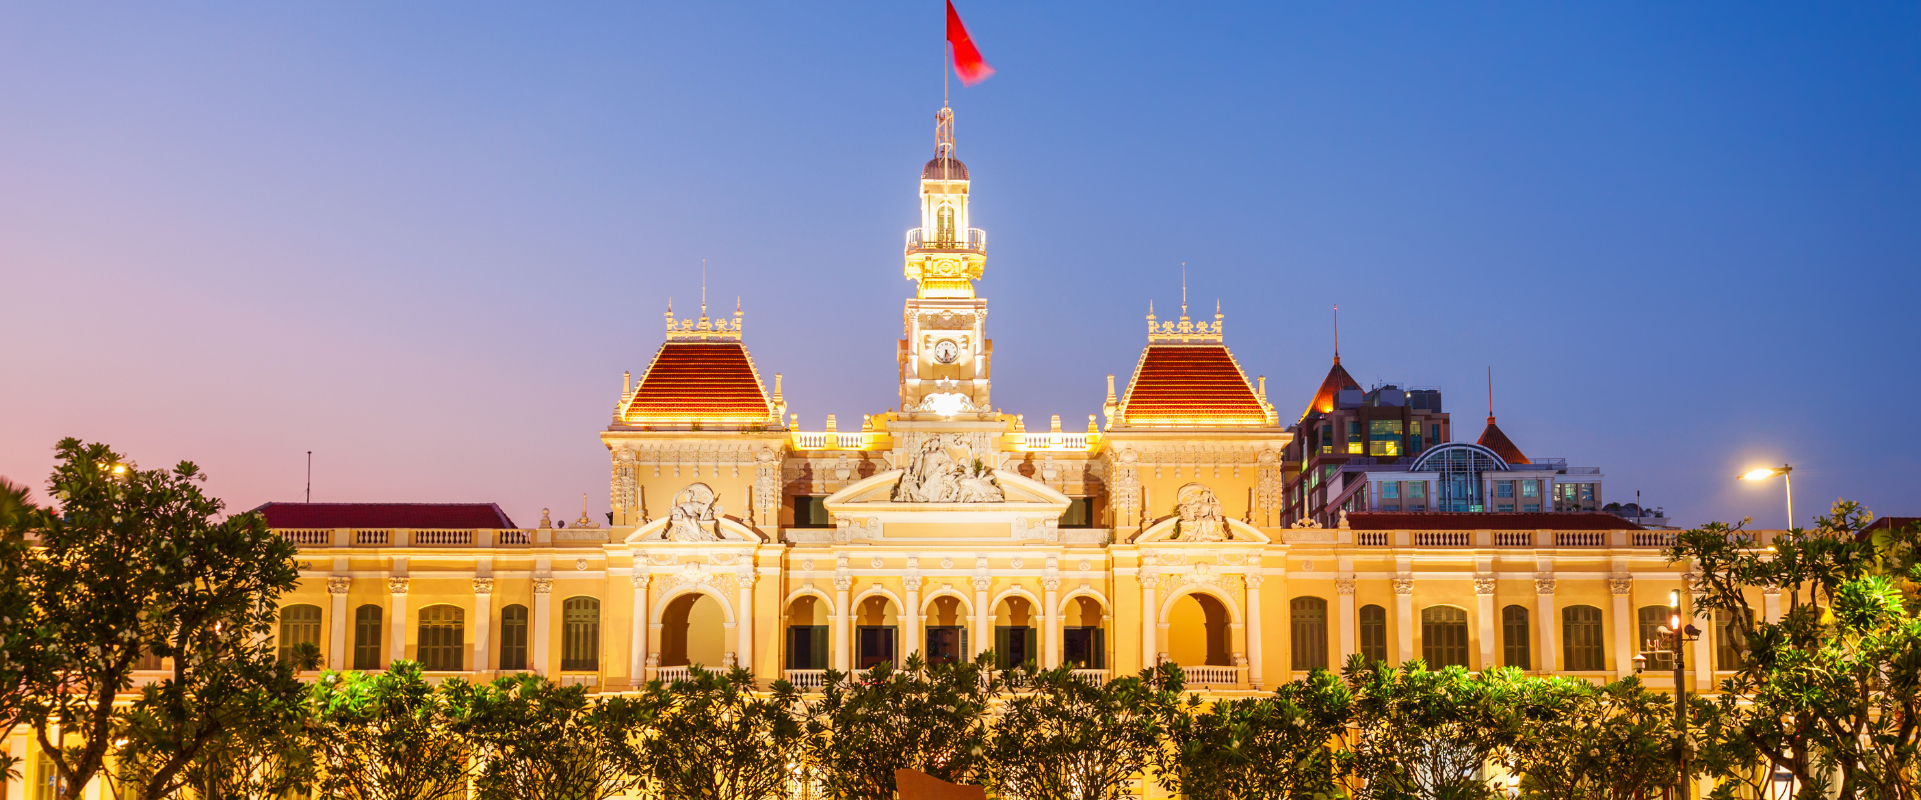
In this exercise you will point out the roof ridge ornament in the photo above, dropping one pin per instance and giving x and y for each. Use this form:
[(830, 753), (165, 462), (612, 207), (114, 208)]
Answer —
[(704, 328), (1186, 331)]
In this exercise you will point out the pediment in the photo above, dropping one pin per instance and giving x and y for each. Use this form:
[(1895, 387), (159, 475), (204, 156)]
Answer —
[(1238, 532), (727, 530)]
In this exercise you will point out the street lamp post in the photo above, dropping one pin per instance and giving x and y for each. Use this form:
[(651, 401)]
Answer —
[(1787, 480), (1682, 635)]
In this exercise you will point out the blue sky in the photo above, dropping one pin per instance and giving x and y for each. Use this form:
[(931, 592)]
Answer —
[(424, 240)]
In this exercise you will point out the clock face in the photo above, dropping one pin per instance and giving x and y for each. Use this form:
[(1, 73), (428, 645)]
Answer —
[(946, 352)]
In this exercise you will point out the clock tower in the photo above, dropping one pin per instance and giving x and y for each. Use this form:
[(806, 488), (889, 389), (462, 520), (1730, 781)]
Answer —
[(945, 355)]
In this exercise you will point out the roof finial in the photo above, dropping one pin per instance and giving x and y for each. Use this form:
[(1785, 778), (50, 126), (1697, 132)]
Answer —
[(1337, 333), (703, 288), (944, 132), (1490, 395), (1183, 288)]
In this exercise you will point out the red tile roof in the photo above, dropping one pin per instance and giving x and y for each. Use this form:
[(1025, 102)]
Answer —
[(1336, 380), (1491, 520), (385, 515), (1494, 439), (1189, 384), (699, 382)]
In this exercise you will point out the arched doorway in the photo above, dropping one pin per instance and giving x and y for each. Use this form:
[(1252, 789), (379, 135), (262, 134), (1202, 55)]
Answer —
[(1198, 632), (692, 632), (946, 637), (1016, 633), (808, 640), (1083, 636), (876, 632)]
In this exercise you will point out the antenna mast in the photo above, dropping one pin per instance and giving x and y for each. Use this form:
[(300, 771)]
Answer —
[(309, 476)]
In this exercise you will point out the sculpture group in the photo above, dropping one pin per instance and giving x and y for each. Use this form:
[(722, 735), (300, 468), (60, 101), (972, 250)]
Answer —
[(945, 470)]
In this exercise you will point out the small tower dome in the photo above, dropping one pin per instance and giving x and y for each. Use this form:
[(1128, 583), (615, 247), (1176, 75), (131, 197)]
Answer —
[(944, 169)]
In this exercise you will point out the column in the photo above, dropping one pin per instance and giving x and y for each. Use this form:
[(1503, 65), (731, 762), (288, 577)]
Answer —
[(843, 617), (1404, 617), (397, 619), (1344, 588), (483, 621), (744, 617), (637, 632), (1544, 608), (543, 610), (910, 620), (1484, 596), (337, 635), (1624, 625), (1771, 603), (1254, 676), (983, 616), (1149, 647), (1050, 623)]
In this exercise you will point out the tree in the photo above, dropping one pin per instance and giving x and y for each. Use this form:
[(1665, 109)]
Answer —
[(1279, 746), (1424, 734), (537, 740), (18, 638), (388, 735), (138, 562), (263, 753), (1063, 736), (1582, 742), (1831, 691), (710, 737), (929, 718)]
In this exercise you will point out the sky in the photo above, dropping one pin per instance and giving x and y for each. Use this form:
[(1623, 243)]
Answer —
[(423, 240)]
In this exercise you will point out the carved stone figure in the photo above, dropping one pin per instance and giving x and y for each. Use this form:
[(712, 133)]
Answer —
[(945, 470), (1201, 514), (694, 514)]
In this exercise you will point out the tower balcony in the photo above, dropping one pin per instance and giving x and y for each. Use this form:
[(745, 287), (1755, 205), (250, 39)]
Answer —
[(922, 239)]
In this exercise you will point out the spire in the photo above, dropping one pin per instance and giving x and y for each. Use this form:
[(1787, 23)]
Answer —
[(944, 132), (1493, 438), (1183, 290), (1490, 395), (1337, 334)]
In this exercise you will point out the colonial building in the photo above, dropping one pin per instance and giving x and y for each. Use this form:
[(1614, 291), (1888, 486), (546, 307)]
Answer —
[(942, 525)]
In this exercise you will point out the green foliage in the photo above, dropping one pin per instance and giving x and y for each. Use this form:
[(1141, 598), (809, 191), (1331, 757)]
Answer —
[(18, 638), (1613, 742), (1279, 746), (1831, 692), (138, 561), (1063, 736), (929, 718), (536, 740), (259, 751), (389, 735), (711, 737), (1418, 733)]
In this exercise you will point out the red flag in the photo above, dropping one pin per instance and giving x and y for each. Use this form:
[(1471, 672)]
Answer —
[(967, 58)]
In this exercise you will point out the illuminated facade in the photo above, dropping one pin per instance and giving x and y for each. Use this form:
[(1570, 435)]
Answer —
[(950, 528)]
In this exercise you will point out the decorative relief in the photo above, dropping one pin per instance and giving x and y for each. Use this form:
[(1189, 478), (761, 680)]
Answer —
[(1544, 583), (625, 488), (396, 585), (1253, 581), (1403, 585), (766, 486), (580, 565), (1620, 584), (1344, 585), (947, 563), (543, 586), (946, 470), (724, 559), (694, 515), (843, 583), (807, 564), (1085, 565), (338, 585), (692, 574), (640, 580), (1017, 563), (1310, 523), (912, 582), (1233, 559), (1127, 490), (1774, 590), (1051, 584), (1201, 515), (1484, 584), (876, 562), (1150, 581), (661, 559), (982, 583), (483, 586)]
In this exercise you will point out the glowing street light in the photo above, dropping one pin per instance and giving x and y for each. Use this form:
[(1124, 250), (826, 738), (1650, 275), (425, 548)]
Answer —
[(1787, 480)]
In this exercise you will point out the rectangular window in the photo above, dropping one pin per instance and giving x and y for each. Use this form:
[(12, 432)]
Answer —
[(1434, 433), (1015, 645), (809, 512), (1503, 488), (1417, 490), (1504, 507), (1414, 441), (46, 780), (1373, 630), (1327, 438), (1583, 650), (1308, 620), (1530, 507), (945, 644), (1514, 637), (1391, 490), (367, 637), (1390, 507), (1417, 507), (1384, 437), (1727, 654), (1084, 646), (1354, 445), (580, 635), (1587, 492), (1080, 513), (1657, 647), (1530, 488), (875, 645), (513, 637)]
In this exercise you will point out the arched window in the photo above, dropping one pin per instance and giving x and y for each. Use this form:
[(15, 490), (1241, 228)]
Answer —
[(944, 223), (443, 634), (1308, 616), (1517, 652), (1444, 636), (513, 637), (1655, 645), (298, 625), (580, 635), (1373, 622), (367, 637), (1583, 649), (1727, 651)]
